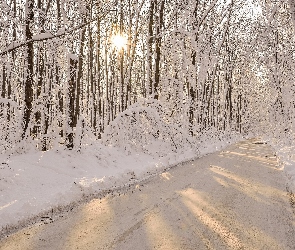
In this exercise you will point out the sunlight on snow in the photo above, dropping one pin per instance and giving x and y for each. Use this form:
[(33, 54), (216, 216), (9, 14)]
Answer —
[(7, 205), (246, 185), (166, 175), (193, 200), (86, 182), (205, 212), (155, 224)]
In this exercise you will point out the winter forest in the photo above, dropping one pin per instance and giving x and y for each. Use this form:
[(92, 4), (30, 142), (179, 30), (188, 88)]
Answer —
[(128, 71), (111, 86), (155, 77)]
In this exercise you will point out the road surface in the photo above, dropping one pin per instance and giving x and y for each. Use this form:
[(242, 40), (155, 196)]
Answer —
[(233, 199)]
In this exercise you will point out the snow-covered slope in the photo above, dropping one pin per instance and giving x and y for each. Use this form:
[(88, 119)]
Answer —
[(35, 182)]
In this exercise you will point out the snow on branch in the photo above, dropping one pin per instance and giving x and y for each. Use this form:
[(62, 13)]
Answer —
[(46, 36)]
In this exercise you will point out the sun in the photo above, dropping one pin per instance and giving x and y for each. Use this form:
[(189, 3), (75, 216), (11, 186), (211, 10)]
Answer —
[(119, 41)]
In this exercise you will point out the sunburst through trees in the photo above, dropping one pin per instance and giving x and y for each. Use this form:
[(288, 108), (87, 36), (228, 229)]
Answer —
[(224, 66)]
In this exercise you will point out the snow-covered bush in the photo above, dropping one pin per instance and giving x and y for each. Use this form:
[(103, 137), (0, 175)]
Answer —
[(145, 127)]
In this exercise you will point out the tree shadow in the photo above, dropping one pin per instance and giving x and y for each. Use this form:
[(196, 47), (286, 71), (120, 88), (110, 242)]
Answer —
[(229, 200)]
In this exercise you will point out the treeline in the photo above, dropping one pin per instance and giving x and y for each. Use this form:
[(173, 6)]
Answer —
[(62, 79)]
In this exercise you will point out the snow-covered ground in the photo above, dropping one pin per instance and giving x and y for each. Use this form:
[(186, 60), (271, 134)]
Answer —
[(225, 200), (286, 156), (35, 182)]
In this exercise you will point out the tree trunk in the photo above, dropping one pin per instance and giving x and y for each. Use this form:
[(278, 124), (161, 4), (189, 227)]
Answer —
[(158, 51), (121, 55), (79, 78), (60, 94), (3, 92), (98, 87), (292, 10), (30, 68), (150, 47), (71, 92)]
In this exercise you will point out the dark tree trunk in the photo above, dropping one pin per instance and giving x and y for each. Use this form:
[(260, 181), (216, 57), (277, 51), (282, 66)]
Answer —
[(60, 94), (3, 92), (192, 94), (79, 79), (98, 87), (158, 51), (191, 91), (128, 88), (150, 46), (71, 91), (121, 53), (239, 114), (195, 26), (11, 109), (30, 68)]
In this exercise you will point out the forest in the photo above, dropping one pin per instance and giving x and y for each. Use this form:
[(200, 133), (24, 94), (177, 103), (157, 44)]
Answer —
[(131, 71), (155, 117)]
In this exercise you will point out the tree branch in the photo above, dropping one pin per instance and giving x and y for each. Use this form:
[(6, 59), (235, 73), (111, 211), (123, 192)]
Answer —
[(48, 36)]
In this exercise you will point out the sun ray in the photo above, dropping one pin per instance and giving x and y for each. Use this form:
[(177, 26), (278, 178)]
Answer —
[(119, 41)]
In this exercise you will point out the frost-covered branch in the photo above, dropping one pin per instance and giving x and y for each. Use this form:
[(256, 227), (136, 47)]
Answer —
[(46, 36)]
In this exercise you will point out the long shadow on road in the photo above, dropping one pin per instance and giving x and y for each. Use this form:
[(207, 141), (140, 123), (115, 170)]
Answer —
[(234, 199)]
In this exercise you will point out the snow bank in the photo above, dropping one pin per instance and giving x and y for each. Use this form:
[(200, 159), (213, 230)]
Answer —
[(283, 142), (286, 156), (35, 182), (138, 143)]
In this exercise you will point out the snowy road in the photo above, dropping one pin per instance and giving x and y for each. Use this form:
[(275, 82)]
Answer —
[(234, 199)]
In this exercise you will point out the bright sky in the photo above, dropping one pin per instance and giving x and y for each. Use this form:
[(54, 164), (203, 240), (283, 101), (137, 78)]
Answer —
[(119, 41)]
